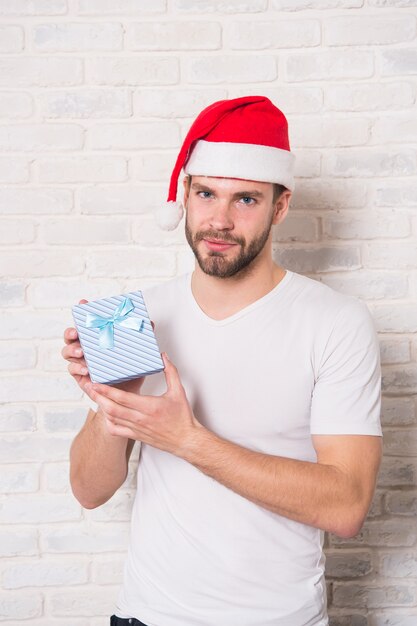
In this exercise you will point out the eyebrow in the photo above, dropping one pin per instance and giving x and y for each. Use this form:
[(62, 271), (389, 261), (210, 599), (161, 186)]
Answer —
[(238, 194)]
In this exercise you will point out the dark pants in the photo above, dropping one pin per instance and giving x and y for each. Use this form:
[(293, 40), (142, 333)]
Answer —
[(118, 621)]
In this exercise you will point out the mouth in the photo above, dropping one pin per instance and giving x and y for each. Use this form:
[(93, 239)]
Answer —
[(218, 245)]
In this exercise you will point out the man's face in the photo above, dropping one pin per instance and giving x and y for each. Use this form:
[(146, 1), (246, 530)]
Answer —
[(228, 223)]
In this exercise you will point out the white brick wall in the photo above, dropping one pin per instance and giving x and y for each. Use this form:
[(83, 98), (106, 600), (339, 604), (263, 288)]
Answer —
[(95, 98)]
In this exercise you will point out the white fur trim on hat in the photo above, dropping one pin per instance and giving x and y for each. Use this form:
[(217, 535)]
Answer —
[(242, 160)]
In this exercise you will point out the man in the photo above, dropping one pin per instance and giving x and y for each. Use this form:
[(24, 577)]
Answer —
[(265, 432)]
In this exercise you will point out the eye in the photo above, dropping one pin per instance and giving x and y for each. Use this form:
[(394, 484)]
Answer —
[(251, 200), (204, 192)]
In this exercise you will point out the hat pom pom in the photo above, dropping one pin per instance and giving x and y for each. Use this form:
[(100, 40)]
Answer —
[(170, 215)]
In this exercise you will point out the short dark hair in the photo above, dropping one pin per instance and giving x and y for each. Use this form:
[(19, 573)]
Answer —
[(277, 189)]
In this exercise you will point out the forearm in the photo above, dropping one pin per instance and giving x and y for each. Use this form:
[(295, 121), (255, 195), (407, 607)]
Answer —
[(318, 495), (98, 462)]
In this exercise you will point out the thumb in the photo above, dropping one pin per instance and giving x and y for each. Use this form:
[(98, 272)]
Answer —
[(172, 377)]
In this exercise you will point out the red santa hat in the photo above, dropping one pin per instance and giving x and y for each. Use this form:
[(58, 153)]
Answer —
[(240, 138)]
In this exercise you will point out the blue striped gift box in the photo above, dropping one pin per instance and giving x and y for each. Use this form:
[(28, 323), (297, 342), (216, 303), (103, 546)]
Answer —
[(134, 353)]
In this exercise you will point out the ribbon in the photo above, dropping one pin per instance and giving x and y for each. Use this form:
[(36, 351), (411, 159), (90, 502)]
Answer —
[(106, 324)]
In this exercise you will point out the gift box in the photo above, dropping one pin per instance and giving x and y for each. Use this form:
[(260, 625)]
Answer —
[(117, 338)]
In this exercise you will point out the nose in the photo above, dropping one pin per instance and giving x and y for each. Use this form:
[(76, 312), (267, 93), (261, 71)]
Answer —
[(221, 216)]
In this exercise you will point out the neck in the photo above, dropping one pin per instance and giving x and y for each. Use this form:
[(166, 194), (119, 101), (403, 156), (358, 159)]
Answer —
[(221, 297)]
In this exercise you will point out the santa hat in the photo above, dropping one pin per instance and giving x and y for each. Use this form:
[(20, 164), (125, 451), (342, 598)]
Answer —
[(240, 138)]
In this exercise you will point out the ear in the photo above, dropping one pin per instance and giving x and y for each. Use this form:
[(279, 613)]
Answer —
[(282, 206), (186, 186)]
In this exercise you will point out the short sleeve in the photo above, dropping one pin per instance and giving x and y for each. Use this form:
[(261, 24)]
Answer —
[(346, 397)]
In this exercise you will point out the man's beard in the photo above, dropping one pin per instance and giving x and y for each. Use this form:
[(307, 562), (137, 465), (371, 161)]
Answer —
[(215, 263)]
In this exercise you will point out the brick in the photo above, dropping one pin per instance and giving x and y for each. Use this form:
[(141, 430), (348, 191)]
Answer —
[(330, 195), (84, 231), (39, 263), (397, 618), (19, 479), (133, 136), (174, 103), (296, 228), (137, 70), (393, 194), (368, 30), (230, 69), (344, 564), (400, 379), (347, 620), (173, 36), (255, 35), (44, 621), (25, 448), (328, 132), (153, 166), (16, 356), (90, 601), (51, 293), (11, 39), (399, 62), (16, 231), (45, 574), (400, 442), (107, 572), (95, 539), (130, 261), (372, 226), (372, 596), (402, 503), (368, 96), (397, 411), (120, 7), (329, 65), (35, 201), (393, 3), (368, 162), (13, 170), (19, 542), (41, 137), (72, 37), (50, 358), (185, 261), (120, 200), (394, 318), (15, 105), (37, 388), (288, 98), (398, 254), (43, 509), (85, 103), (40, 71), (377, 505), (389, 533), (307, 164), (397, 472), (17, 418), (324, 259), (18, 606), (56, 478), (221, 6), (369, 284), (147, 233), (298, 5), (398, 128), (82, 169), (395, 351), (28, 7), (398, 565)]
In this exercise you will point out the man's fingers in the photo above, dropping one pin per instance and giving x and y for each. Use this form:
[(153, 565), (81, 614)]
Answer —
[(119, 396), (172, 377), (77, 369), (70, 335), (72, 350)]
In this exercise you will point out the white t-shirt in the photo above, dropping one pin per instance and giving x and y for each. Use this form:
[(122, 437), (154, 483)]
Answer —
[(302, 360)]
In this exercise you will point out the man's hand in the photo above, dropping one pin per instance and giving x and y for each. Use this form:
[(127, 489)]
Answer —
[(166, 422)]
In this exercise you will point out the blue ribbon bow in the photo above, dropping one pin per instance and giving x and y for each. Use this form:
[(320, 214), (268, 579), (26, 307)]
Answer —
[(106, 324)]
